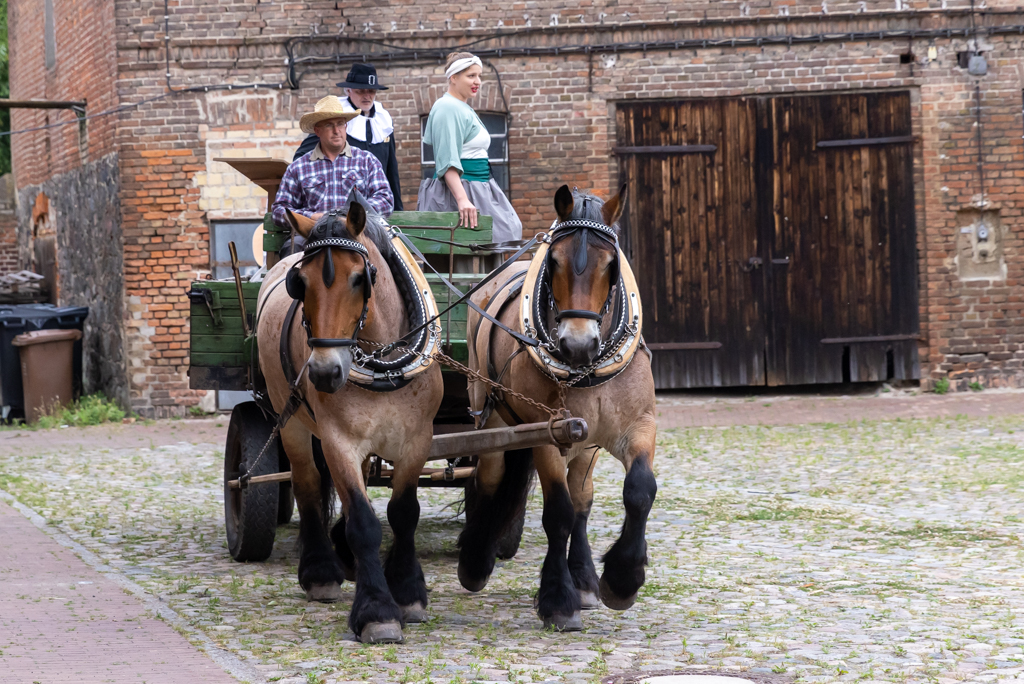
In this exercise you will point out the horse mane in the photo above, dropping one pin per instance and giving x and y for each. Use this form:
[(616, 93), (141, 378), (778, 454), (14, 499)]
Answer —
[(333, 225), (590, 209)]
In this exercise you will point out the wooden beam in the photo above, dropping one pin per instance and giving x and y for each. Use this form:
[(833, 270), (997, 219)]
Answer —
[(567, 432), (42, 104), (861, 142), (665, 149), (677, 346), (257, 479), (875, 338)]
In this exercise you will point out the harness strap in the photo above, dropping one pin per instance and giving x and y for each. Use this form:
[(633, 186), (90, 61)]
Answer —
[(473, 290), (496, 399), (291, 376)]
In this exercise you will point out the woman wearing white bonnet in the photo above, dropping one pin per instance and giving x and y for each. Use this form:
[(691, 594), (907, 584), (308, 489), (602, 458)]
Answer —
[(462, 180)]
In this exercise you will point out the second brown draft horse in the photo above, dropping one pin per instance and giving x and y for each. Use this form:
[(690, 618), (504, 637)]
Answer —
[(577, 297)]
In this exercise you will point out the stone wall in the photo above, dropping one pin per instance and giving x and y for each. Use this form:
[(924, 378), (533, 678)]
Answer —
[(86, 210), (8, 226), (562, 127)]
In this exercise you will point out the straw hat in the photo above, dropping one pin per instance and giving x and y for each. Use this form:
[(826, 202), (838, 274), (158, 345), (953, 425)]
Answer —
[(329, 107)]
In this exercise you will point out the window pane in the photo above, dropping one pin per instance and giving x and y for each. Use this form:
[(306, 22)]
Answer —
[(241, 233), (428, 153), (427, 171), (500, 174), (498, 151), (496, 124)]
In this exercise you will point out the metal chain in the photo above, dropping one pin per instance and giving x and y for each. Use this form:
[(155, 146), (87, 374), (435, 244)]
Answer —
[(243, 479), (446, 360)]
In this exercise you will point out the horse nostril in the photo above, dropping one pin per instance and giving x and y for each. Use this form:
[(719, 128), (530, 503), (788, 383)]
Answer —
[(336, 373)]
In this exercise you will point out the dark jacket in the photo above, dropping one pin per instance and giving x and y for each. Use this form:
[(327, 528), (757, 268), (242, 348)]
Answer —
[(383, 151)]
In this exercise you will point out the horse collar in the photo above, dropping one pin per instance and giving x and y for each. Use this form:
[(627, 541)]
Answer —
[(617, 349)]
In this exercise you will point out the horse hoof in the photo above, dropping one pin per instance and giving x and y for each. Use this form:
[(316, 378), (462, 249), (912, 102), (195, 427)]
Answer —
[(381, 633), (414, 613), (324, 593), (589, 600), (471, 583), (564, 623), (614, 602)]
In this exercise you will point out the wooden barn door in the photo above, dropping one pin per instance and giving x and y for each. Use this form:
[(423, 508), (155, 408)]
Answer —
[(773, 238), (839, 228), (691, 226)]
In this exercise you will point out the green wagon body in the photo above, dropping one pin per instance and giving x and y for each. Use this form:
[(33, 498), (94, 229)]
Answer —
[(220, 356)]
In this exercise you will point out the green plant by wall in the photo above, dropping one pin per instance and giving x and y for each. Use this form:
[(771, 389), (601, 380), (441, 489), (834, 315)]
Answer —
[(942, 385), (92, 409)]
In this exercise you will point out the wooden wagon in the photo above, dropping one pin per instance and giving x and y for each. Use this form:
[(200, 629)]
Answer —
[(223, 356)]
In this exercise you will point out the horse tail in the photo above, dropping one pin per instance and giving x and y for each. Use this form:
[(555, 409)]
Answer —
[(326, 484), (490, 518), (512, 493)]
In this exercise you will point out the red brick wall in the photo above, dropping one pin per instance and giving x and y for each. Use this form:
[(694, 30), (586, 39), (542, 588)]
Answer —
[(85, 70), (562, 130)]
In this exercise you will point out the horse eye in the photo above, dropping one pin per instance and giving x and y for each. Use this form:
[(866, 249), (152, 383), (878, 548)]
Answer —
[(357, 279)]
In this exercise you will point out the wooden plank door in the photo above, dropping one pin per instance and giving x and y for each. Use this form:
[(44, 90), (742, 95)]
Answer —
[(838, 223), (691, 228)]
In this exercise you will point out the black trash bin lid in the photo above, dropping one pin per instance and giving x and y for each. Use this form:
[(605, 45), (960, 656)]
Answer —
[(38, 314)]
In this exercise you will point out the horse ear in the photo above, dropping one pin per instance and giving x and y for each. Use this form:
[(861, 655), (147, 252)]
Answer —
[(612, 209), (301, 224), (563, 203), (355, 219)]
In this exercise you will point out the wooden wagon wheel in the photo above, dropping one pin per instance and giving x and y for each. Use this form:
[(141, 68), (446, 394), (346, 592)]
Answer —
[(250, 514)]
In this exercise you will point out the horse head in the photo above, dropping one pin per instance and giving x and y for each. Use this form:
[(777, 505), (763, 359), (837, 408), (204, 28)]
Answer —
[(334, 281), (583, 267)]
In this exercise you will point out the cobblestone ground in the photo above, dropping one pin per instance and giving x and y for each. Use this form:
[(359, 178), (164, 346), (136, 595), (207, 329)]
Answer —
[(886, 551)]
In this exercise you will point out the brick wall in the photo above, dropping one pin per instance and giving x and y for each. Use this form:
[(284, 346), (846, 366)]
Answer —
[(71, 170), (84, 70), (561, 130)]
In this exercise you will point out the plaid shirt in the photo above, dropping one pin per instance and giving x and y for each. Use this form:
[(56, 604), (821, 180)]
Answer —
[(314, 184)]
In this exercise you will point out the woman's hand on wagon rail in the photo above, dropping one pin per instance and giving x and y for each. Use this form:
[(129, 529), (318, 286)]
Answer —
[(467, 211)]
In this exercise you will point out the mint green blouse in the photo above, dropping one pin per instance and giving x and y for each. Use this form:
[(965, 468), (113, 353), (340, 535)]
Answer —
[(451, 124)]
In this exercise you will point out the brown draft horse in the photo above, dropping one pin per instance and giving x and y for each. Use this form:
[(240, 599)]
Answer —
[(351, 422), (583, 270)]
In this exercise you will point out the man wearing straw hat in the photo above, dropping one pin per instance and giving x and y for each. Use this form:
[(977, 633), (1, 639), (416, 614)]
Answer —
[(321, 180)]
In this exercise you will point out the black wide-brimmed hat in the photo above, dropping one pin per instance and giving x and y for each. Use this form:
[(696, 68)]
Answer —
[(362, 77)]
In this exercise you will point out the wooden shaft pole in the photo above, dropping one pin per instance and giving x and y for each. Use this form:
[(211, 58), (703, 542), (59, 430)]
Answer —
[(568, 431)]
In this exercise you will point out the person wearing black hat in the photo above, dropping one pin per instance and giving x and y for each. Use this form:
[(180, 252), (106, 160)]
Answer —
[(373, 130)]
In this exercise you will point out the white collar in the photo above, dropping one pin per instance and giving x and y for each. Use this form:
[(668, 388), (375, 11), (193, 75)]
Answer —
[(381, 125)]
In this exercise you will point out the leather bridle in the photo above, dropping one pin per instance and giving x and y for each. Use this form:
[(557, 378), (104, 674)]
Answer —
[(297, 289), (580, 230)]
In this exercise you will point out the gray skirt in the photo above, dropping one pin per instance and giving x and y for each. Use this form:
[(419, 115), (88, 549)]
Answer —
[(486, 197)]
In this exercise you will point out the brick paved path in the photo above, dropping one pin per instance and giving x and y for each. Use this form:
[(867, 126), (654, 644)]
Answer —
[(62, 621)]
